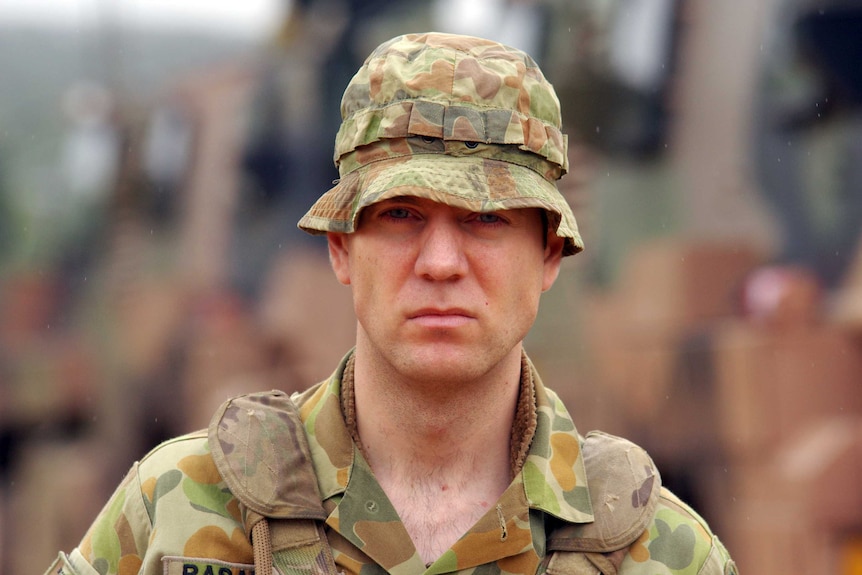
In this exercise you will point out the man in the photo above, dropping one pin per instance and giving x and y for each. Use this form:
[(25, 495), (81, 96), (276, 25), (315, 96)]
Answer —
[(434, 447)]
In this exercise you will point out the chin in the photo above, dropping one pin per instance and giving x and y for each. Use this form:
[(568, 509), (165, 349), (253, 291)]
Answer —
[(445, 365)]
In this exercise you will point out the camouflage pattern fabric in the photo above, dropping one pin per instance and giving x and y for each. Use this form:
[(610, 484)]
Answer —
[(460, 120), (173, 514)]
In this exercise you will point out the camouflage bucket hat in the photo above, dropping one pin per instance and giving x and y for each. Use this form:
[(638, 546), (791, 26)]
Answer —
[(459, 120)]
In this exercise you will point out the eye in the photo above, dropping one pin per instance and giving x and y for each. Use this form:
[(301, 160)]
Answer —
[(489, 218), (471, 145), (396, 213)]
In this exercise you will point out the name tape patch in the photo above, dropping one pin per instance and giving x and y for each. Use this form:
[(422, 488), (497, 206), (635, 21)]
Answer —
[(197, 566)]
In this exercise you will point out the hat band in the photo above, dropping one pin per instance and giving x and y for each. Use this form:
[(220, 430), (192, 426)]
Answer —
[(449, 122), (403, 147)]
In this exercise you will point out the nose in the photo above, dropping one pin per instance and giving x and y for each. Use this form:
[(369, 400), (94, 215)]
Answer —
[(441, 252)]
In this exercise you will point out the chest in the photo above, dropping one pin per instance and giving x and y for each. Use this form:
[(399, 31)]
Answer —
[(436, 519)]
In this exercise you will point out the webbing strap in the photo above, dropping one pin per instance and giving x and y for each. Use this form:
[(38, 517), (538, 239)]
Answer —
[(258, 441), (291, 547), (313, 558), (262, 544)]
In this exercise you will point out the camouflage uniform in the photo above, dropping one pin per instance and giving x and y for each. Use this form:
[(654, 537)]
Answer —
[(473, 124), (173, 513)]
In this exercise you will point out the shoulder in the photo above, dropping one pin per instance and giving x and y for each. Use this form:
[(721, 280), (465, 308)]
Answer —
[(186, 453), (191, 508), (180, 476), (677, 540), (181, 488), (173, 503), (673, 537)]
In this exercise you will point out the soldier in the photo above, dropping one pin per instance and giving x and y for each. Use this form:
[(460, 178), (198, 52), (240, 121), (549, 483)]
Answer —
[(434, 446)]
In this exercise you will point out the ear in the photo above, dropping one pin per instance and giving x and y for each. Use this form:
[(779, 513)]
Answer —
[(553, 260), (339, 256)]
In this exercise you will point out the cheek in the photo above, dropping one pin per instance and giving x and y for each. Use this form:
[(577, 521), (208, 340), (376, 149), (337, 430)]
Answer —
[(518, 284), (531, 271), (531, 289), (370, 280), (360, 278)]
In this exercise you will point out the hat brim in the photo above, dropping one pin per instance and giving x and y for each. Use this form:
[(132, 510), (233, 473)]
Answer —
[(473, 183)]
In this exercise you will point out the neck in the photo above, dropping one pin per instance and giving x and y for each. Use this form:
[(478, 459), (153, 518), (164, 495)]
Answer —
[(417, 428)]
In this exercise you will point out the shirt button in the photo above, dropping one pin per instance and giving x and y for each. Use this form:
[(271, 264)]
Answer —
[(371, 506)]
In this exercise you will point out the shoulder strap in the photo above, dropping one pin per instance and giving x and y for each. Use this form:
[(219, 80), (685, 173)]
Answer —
[(624, 487), (259, 446)]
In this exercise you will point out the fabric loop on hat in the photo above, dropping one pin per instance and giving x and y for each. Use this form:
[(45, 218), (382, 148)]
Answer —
[(460, 123), (401, 147)]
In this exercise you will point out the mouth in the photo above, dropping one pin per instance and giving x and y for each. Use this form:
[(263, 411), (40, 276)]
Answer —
[(441, 318)]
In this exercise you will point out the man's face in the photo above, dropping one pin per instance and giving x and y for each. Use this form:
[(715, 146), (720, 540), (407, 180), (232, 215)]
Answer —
[(441, 293)]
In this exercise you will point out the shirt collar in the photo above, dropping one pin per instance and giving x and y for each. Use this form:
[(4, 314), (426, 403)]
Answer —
[(554, 476)]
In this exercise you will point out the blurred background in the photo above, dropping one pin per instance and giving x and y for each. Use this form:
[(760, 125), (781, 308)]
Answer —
[(155, 157)]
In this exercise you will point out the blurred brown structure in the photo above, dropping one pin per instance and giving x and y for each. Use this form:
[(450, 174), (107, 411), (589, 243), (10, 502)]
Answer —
[(757, 420)]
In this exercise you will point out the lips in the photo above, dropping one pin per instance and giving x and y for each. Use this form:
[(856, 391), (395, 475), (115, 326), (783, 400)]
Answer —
[(441, 318), (436, 311)]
